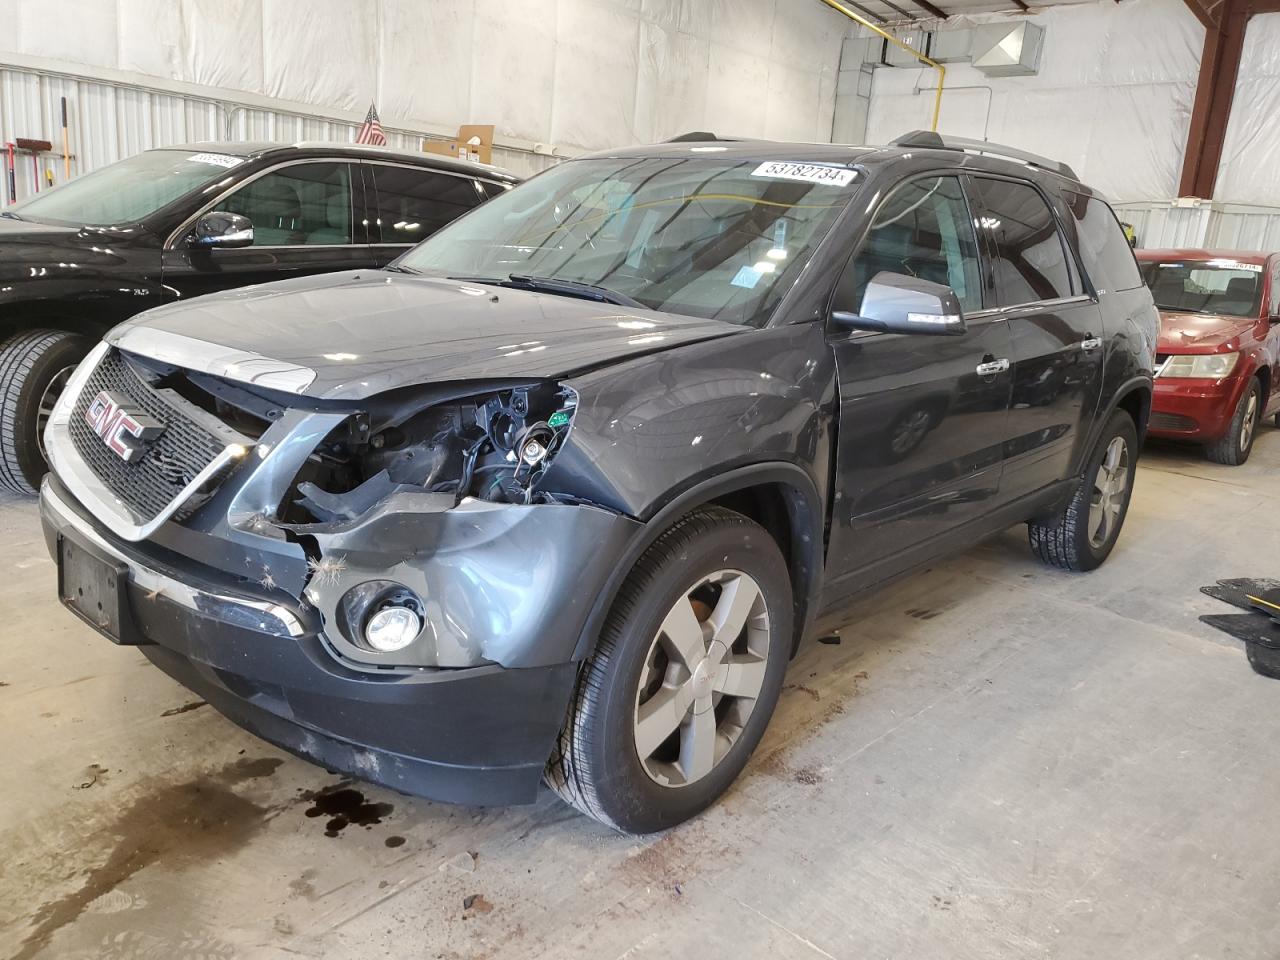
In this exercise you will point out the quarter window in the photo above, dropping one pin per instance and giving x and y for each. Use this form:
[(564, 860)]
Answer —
[(1027, 255), (414, 203), (1105, 250), (923, 230), (307, 203)]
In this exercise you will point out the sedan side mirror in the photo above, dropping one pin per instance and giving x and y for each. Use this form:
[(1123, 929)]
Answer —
[(221, 229), (896, 303)]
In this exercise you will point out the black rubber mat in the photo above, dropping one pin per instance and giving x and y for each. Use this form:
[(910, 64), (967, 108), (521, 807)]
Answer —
[(1249, 627), (1264, 660), (1262, 594)]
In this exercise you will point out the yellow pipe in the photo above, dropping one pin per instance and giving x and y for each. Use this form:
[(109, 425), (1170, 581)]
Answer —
[(942, 71)]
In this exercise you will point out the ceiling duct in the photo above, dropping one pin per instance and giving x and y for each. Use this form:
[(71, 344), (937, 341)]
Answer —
[(1008, 49), (897, 57)]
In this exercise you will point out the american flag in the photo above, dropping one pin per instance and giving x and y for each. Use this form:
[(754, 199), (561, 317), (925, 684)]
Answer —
[(370, 131)]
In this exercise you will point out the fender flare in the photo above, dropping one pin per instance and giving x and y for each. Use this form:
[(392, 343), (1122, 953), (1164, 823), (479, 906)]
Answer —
[(1130, 386), (807, 516)]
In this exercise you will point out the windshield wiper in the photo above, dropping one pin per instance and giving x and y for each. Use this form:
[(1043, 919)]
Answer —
[(401, 268), (11, 215), (571, 288)]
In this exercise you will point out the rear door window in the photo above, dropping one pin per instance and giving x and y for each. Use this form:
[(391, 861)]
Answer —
[(411, 203), (1026, 251), (1104, 249), (301, 204), (922, 230)]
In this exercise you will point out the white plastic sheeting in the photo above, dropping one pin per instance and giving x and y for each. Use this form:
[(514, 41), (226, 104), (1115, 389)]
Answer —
[(1250, 167), (1112, 98), (576, 74)]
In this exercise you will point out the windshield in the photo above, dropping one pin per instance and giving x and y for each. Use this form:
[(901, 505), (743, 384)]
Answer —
[(1211, 286), (128, 191), (700, 236)]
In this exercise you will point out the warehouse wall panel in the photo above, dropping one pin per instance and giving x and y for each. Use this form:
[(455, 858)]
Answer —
[(572, 75), (1112, 97)]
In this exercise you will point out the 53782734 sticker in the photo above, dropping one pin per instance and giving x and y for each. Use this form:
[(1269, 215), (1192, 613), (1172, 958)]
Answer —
[(806, 172)]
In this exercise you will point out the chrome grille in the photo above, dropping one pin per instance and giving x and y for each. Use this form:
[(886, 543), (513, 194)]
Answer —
[(149, 484)]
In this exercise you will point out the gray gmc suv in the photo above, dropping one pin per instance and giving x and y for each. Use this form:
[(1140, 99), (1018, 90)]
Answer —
[(556, 494)]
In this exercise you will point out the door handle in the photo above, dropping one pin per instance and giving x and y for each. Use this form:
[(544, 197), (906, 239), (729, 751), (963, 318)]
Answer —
[(991, 368), (1090, 343)]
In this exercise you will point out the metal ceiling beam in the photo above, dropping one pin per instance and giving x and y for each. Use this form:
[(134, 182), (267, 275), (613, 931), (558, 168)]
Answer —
[(869, 14), (929, 8), (1215, 89), (905, 14)]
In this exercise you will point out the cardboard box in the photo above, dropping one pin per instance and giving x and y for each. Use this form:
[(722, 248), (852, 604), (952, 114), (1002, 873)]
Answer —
[(473, 142)]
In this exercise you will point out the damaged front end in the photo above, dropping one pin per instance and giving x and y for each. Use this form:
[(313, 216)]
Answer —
[(417, 524)]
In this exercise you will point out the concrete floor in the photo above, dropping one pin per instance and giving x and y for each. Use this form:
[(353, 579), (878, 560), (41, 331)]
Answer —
[(997, 761)]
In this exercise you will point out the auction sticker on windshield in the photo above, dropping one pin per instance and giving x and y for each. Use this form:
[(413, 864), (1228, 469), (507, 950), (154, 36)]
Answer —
[(807, 172), (217, 159)]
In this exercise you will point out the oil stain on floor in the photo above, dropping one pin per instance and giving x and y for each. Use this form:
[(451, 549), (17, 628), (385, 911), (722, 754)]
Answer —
[(345, 806), (195, 820)]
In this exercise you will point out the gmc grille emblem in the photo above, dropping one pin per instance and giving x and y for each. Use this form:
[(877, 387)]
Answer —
[(123, 427)]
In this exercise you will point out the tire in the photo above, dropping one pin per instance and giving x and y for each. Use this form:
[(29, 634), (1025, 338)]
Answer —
[(31, 363), (598, 767), (1069, 540), (1233, 447)]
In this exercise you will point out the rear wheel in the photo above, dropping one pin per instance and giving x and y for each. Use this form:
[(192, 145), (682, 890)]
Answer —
[(1082, 535), (35, 366), (684, 679), (1234, 447)]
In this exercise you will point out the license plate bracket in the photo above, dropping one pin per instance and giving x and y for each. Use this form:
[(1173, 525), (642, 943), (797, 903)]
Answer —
[(95, 589)]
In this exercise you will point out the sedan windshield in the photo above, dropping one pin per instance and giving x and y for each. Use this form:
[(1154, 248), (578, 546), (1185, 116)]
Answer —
[(128, 191), (700, 236), (1226, 287)]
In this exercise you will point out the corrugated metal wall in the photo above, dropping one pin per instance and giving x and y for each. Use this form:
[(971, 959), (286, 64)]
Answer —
[(108, 122), (1223, 226)]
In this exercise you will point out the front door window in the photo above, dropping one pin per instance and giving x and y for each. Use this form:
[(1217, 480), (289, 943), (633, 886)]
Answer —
[(299, 205)]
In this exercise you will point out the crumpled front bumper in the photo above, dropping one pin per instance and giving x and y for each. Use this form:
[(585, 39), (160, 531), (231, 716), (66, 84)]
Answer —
[(476, 735)]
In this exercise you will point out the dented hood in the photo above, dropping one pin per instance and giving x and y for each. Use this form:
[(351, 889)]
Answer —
[(351, 335)]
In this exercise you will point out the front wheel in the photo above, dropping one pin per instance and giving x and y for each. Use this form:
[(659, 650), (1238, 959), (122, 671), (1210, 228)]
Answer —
[(684, 679), (1234, 447), (1081, 536), (34, 367)]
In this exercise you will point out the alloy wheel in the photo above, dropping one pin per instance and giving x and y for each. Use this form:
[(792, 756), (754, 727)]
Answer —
[(1250, 421), (48, 400), (1110, 484), (702, 677)]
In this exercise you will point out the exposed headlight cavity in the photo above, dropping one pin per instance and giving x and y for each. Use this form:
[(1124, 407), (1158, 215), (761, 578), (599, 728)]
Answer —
[(493, 446)]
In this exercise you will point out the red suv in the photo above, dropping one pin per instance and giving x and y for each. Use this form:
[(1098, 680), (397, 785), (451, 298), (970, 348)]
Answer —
[(1218, 357)]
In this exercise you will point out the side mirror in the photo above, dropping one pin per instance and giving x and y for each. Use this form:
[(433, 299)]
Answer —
[(895, 303), (221, 229)]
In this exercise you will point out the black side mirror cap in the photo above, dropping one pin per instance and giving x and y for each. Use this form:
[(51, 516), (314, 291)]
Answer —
[(221, 229), (896, 303)]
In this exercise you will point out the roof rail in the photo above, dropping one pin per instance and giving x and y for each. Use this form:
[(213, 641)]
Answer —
[(933, 141)]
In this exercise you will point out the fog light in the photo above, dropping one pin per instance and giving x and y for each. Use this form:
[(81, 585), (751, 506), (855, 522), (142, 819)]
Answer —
[(392, 628)]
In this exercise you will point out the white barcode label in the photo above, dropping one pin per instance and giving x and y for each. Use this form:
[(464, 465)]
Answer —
[(217, 159), (808, 172)]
